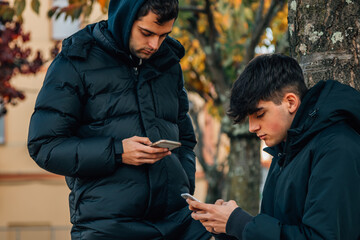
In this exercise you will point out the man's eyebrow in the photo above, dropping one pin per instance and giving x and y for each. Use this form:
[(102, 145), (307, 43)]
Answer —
[(254, 110), (148, 31)]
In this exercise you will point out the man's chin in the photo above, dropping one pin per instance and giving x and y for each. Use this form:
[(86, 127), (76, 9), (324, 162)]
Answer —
[(143, 56), (269, 143)]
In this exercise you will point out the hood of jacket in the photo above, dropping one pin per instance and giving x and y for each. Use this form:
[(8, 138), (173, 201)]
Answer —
[(324, 105), (121, 16), (79, 45)]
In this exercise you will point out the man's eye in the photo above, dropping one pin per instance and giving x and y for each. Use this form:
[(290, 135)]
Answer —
[(260, 115), (146, 34)]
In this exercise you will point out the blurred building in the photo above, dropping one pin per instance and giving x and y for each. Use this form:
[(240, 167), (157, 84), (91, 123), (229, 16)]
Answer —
[(33, 202)]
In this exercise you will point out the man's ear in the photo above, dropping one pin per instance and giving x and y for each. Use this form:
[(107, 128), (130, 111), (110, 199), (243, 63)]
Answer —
[(292, 102)]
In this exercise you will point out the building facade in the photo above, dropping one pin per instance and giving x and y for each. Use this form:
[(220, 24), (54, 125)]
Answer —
[(33, 202)]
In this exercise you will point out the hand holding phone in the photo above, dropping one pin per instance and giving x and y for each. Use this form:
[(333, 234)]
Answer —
[(166, 144), (137, 151)]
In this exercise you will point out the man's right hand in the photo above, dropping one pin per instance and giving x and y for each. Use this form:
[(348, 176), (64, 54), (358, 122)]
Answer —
[(213, 217), (137, 151)]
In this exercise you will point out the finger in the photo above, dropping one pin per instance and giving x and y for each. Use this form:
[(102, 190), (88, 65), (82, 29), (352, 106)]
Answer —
[(200, 212), (148, 160), (217, 230), (193, 209), (208, 224), (149, 149), (200, 216), (143, 140), (153, 156), (219, 202), (196, 210), (200, 206), (232, 202)]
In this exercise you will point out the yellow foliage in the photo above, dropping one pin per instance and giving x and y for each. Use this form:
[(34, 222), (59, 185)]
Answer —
[(256, 5), (220, 22), (196, 44), (226, 21), (236, 3), (267, 4), (281, 19), (238, 58), (233, 22), (242, 41), (202, 24), (280, 23), (176, 30)]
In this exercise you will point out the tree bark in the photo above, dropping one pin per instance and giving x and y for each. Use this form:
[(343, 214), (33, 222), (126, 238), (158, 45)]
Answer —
[(244, 183), (325, 39), (243, 180)]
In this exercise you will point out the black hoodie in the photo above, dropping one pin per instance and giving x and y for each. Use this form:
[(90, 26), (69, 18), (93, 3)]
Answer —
[(121, 17), (312, 190)]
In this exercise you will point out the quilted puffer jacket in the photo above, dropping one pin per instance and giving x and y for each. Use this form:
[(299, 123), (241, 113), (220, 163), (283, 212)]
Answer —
[(94, 96)]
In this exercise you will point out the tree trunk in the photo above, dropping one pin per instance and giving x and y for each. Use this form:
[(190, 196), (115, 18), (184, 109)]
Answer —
[(244, 167), (325, 39)]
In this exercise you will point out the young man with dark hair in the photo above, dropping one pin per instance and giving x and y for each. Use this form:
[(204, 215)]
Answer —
[(115, 88), (312, 190)]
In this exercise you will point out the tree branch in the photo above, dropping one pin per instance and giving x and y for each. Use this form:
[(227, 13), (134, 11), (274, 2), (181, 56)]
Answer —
[(212, 30), (213, 57), (260, 25)]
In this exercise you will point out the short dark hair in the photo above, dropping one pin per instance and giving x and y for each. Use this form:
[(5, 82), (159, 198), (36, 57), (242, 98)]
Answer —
[(166, 10), (267, 77)]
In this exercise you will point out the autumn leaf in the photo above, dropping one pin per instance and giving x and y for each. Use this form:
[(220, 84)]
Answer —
[(19, 6), (35, 5)]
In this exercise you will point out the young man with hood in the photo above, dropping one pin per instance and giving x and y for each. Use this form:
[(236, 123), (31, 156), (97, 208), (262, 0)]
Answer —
[(312, 190), (115, 88)]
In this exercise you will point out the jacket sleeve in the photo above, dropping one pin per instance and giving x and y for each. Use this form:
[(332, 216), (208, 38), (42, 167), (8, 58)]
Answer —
[(331, 208), (52, 140), (186, 137)]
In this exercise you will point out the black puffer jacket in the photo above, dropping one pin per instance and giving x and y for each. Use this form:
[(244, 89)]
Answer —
[(312, 190), (93, 97)]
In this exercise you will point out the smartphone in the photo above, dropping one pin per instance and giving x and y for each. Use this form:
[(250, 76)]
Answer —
[(189, 196), (166, 144)]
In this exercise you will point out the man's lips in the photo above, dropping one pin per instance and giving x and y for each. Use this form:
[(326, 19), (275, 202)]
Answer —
[(261, 136), (148, 52)]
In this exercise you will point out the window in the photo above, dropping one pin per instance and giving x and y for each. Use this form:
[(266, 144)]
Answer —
[(60, 28)]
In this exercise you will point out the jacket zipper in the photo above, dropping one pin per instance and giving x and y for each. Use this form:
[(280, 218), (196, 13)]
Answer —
[(136, 72), (280, 156), (136, 69)]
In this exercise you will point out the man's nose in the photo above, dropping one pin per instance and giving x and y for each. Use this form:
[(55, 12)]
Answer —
[(253, 126), (154, 42)]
